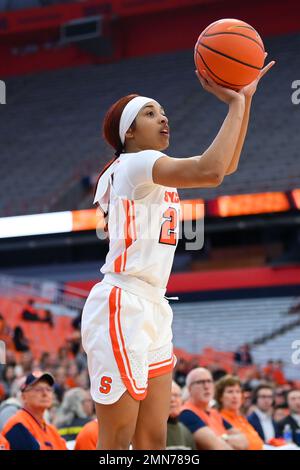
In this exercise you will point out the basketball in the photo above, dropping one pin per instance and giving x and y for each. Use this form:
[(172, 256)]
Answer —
[(231, 51)]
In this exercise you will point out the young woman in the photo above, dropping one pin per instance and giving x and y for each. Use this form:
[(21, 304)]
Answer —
[(126, 322)]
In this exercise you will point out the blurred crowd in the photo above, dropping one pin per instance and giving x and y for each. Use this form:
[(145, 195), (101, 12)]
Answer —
[(45, 403)]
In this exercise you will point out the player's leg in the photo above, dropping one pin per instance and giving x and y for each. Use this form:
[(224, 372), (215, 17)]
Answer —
[(151, 427), (117, 423)]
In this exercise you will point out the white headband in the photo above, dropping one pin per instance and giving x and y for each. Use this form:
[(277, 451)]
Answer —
[(130, 112)]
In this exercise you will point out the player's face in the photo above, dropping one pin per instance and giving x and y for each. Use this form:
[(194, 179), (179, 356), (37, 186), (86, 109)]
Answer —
[(151, 129)]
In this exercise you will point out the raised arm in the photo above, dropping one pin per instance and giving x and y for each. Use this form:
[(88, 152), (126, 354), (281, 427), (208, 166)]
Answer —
[(208, 169), (222, 156), (248, 92)]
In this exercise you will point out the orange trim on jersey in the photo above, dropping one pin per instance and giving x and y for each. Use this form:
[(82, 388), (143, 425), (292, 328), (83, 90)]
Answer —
[(129, 234), (118, 263), (162, 362), (119, 349), (165, 367), (133, 221), (160, 371)]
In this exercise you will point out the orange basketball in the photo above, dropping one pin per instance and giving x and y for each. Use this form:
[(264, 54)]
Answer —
[(231, 52)]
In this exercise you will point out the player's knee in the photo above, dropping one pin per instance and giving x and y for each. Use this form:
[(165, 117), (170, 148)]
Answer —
[(123, 438), (115, 439), (151, 440)]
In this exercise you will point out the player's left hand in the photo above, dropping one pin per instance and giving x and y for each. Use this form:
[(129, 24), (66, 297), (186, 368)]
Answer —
[(250, 89)]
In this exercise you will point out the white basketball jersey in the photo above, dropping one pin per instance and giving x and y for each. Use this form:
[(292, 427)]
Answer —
[(143, 232)]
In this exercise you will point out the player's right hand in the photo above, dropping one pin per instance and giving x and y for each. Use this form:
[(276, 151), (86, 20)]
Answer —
[(224, 94)]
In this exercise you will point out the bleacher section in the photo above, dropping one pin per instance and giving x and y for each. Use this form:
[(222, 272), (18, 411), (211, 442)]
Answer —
[(40, 335), (227, 324), (209, 330), (282, 347), (52, 123)]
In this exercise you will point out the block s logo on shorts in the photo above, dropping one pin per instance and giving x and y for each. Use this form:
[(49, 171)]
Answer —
[(105, 385)]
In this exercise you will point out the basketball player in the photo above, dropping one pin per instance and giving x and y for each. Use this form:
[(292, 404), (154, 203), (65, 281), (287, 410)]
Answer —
[(126, 322)]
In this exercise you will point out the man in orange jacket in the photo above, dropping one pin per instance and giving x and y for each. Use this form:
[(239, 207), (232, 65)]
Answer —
[(27, 429), (210, 430)]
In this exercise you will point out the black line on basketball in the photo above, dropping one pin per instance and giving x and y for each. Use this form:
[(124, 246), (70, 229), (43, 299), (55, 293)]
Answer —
[(219, 78), (243, 26), (235, 34), (228, 57)]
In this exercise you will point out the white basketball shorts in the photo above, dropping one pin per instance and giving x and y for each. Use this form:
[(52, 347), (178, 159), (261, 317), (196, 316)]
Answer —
[(127, 339)]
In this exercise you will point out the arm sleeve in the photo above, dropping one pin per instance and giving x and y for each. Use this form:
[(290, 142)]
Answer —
[(191, 421), (139, 168), (20, 438), (226, 424)]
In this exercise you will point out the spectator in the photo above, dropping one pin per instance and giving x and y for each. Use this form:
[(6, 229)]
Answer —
[(8, 377), (229, 400), (294, 308), (293, 418), (81, 359), (261, 418), (48, 318), (76, 322), (29, 313), (26, 361), (210, 430), (45, 361), (180, 372), (87, 437), (277, 374), (75, 411), (8, 408), (74, 342), (178, 435), (60, 384), (20, 341), (71, 375), (5, 333), (27, 430), (280, 412), (252, 378), (268, 371), (280, 397), (217, 371), (246, 399), (243, 356)]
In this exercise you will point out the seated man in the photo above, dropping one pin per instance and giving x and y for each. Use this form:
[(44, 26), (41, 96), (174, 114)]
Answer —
[(210, 430), (178, 435), (87, 437), (27, 429), (293, 418), (261, 418)]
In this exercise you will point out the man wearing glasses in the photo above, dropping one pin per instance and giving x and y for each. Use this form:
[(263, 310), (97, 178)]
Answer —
[(27, 429), (210, 430)]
